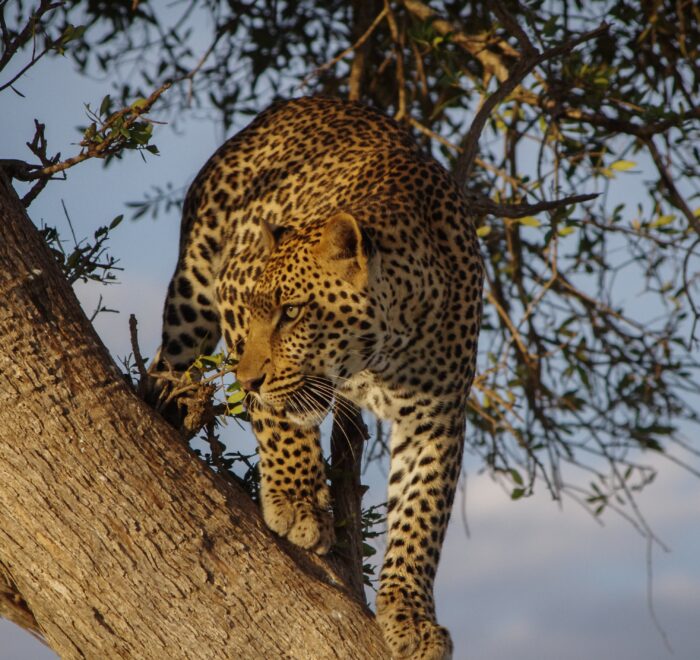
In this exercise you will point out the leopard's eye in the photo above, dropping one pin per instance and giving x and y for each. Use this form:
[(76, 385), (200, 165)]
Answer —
[(290, 312)]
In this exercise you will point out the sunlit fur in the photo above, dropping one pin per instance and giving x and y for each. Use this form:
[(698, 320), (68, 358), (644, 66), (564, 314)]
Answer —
[(340, 265)]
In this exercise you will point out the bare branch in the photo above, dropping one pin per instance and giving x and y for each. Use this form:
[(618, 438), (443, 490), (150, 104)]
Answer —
[(674, 196), (343, 54), (397, 38), (483, 205), (687, 286), (12, 45), (133, 334), (465, 161), (512, 26), (614, 124)]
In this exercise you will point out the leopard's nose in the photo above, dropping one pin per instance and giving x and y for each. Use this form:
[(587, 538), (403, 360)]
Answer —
[(253, 384)]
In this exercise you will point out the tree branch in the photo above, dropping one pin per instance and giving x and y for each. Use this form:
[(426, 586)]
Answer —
[(13, 606), (674, 196), (465, 161), (347, 441), (117, 537), (12, 45), (475, 45), (362, 29), (481, 204), (350, 49)]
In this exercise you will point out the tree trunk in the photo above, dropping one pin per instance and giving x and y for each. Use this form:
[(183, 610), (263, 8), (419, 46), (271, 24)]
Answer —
[(113, 535)]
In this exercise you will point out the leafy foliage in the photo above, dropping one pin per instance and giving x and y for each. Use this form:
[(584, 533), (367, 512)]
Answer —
[(373, 522), (87, 260)]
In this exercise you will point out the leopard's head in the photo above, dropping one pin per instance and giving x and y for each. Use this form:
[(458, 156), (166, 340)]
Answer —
[(313, 319)]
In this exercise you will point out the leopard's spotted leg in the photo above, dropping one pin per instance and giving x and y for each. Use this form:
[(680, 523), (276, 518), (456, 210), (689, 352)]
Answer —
[(191, 317), (294, 492), (426, 454)]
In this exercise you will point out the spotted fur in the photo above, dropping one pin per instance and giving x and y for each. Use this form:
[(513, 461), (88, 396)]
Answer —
[(339, 262)]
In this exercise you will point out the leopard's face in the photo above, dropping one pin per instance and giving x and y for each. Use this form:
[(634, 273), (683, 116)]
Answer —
[(313, 323)]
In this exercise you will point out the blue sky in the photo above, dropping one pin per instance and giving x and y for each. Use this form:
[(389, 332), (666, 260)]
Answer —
[(535, 580)]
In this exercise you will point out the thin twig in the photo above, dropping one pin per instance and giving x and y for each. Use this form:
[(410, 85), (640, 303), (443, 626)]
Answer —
[(397, 38), (511, 326), (687, 286), (343, 54), (27, 33), (140, 364), (674, 196), (189, 76), (106, 148), (513, 27)]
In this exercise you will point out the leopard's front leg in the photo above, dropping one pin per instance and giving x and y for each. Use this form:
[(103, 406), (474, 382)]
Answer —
[(294, 493), (426, 454)]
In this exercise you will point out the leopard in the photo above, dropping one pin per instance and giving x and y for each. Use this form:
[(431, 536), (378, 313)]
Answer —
[(340, 263)]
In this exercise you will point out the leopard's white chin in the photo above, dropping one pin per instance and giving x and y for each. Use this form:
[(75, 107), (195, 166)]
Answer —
[(304, 419), (300, 417)]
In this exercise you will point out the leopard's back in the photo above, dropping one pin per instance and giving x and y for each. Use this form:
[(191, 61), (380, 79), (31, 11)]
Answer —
[(338, 260)]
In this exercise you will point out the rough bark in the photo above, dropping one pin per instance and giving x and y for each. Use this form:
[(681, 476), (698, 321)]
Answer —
[(114, 536), (14, 608), (347, 441)]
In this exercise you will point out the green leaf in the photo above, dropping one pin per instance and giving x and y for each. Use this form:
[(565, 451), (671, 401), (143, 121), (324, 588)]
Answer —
[(90, 131), (663, 220), (368, 550), (530, 221), (485, 230), (550, 26), (70, 33), (236, 397), (105, 105), (517, 493), (623, 165), (209, 361)]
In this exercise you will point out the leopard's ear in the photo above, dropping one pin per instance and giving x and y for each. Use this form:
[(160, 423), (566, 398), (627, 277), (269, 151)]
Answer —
[(270, 234), (342, 248)]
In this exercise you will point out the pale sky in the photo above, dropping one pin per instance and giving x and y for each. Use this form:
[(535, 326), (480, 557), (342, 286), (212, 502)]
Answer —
[(534, 581)]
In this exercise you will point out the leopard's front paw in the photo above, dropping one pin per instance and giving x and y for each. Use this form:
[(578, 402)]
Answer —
[(312, 528), (302, 522), (412, 635)]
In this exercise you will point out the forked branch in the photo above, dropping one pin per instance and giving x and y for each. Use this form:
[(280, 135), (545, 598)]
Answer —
[(528, 62)]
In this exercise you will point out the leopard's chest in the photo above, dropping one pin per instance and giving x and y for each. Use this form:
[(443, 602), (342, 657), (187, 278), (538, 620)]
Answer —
[(367, 391)]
